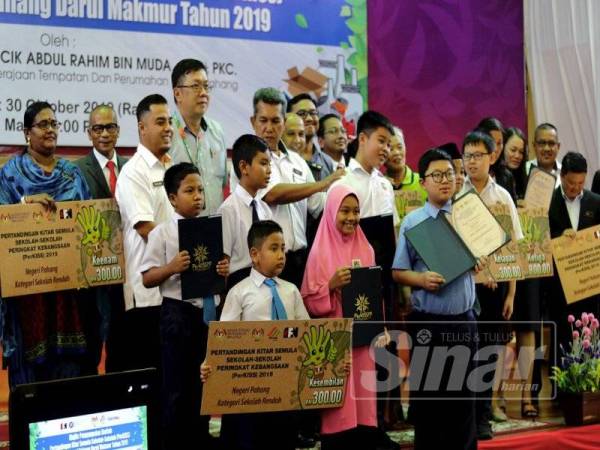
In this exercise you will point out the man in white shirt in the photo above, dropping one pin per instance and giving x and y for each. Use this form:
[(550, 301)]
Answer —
[(100, 169), (547, 146), (144, 204), (198, 139)]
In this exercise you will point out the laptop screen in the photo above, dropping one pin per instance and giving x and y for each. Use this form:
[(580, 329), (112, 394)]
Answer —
[(115, 411)]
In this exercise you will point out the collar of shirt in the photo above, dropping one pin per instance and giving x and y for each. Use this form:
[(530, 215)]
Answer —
[(567, 199), (258, 278), (182, 126), (102, 160), (433, 211), (149, 157), (283, 152), (355, 166), (555, 169), (469, 185), (243, 194)]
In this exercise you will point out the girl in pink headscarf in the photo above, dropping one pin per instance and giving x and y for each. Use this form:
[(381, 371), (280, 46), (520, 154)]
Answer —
[(339, 245)]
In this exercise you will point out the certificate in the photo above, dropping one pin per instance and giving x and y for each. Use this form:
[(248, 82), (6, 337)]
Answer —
[(276, 365), (407, 201), (79, 245), (578, 263), (540, 187), (477, 226)]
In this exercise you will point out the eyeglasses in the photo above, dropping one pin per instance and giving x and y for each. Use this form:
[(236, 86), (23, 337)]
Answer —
[(196, 87), (303, 113), (438, 176), (111, 128), (474, 156), (47, 124), (542, 143), (335, 131)]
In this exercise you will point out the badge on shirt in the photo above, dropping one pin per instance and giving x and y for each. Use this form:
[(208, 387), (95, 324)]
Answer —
[(356, 263), (157, 183), (298, 172)]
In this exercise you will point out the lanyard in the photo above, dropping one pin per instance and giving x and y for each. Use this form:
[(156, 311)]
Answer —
[(185, 144)]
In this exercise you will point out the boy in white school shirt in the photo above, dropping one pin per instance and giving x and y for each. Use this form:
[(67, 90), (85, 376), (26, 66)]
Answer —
[(261, 296), (183, 324)]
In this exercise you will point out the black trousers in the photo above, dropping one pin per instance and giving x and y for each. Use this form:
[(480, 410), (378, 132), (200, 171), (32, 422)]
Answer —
[(258, 431), (183, 336), (141, 326), (442, 418)]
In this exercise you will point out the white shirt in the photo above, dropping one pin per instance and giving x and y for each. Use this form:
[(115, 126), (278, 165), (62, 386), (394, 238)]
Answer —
[(102, 160), (142, 198), (251, 299), (290, 167), (208, 152), (375, 192), (236, 214), (573, 208), (494, 193), (162, 247), (555, 171)]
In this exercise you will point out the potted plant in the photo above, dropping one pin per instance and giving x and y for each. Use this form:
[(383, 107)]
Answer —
[(578, 377)]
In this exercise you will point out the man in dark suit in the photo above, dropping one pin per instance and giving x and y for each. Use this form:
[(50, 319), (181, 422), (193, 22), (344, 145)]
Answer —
[(100, 169), (572, 208)]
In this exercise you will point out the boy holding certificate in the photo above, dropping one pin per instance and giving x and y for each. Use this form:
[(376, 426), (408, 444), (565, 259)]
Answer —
[(496, 299), (261, 296), (183, 324), (448, 311)]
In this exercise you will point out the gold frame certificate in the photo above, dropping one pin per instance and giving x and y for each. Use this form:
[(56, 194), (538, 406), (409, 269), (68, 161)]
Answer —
[(278, 365), (476, 225), (78, 245), (578, 263), (540, 188)]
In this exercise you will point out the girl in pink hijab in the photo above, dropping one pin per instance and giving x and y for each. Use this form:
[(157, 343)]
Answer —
[(339, 245)]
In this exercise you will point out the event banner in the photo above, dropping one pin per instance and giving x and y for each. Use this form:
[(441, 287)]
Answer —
[(78, 245), (578, 263), (276, 365), (78, 54)]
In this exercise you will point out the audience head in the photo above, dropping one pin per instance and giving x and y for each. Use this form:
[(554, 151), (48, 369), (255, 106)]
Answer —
[(267, 247), (459, 169), (332, 136), (396, 160), (191, 88), (374, 132), (251, 162), (103, 129), (572, 174), (437, 176), (294, 136), (546, 145), (268, 118), (154, 124), (494, 128), (184, 188), (305, 106), (41, 128)]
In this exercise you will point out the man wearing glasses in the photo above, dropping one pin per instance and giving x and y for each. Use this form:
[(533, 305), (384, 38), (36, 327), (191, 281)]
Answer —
[(547, 146), (198, 139), (100, 169)]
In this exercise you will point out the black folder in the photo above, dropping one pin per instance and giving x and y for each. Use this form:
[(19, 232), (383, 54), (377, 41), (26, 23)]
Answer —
[(441, 248), (362, 301), (202, 237), (379, 231)]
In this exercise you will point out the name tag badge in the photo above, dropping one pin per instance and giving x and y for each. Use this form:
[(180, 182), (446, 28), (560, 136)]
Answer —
[(356, 263), (157, 183), (298, 172)]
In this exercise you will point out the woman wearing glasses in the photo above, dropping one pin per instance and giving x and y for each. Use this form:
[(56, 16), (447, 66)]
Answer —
[(43, 334)]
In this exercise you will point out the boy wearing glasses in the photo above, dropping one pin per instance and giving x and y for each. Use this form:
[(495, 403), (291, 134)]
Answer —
[(496, 299), (198, 139)]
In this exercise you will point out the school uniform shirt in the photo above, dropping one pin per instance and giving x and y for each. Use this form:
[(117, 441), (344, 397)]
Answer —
[(142, 198), (375, 192), (573, 208), (162, 247), (454, 298), (251, 299), (208, 152), (494, 193), (290, 167), (236, 213)]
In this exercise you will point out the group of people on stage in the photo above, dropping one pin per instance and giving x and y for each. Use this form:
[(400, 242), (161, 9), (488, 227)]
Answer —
[(291, 233)]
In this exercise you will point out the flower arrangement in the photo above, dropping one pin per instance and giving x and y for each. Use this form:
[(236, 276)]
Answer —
[(580, 367)]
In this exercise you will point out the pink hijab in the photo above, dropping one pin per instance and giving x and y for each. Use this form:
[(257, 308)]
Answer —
[(330, 251)]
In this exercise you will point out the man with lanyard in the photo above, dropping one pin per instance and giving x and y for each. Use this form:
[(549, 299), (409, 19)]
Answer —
[(198, 139)]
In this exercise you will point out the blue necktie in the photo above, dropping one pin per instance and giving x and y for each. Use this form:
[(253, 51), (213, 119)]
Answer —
[(277, 310), (209, 312)]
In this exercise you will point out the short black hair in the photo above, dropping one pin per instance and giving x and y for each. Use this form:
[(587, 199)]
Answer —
[(479, 137), (573, 162), (270, 96), (260, 231), (452, 149), (490, 124), (245, 149), (431, 155), (144, 105), (545, 126), (176, 174), (369, 121), (32, 111), (322, 120), (298, 98), (183, 67)]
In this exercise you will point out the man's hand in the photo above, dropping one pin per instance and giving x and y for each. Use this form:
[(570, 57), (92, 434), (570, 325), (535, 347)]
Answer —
[(333, 177), (205, 371), (43, 199)]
